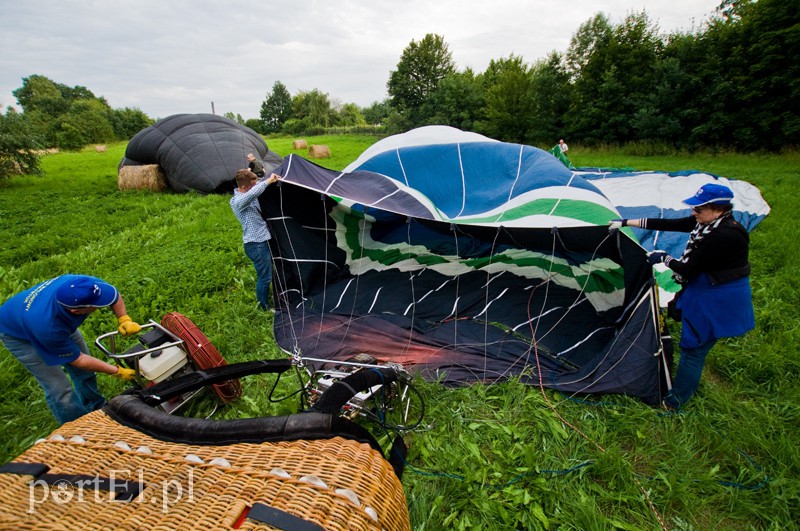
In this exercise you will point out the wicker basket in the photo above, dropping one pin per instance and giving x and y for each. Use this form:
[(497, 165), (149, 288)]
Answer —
[(335, 483)]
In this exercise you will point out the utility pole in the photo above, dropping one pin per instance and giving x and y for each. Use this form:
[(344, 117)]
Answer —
[(212, 108)]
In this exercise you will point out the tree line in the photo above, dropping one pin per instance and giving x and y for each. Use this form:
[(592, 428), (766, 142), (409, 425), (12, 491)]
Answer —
[(73, 117), (56, 115), (731, 84)]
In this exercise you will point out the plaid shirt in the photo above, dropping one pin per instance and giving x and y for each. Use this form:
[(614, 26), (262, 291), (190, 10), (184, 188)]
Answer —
[(248, 212)]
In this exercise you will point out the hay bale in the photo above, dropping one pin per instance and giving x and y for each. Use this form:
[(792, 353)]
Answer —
[(320, 151), (299, 144), (146, 177), (100, 149)]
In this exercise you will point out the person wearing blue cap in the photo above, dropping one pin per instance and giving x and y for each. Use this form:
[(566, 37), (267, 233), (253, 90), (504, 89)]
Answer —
[(715, 298), (39, 326)]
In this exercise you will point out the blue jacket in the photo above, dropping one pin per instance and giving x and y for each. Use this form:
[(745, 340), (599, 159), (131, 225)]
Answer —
[(714, 311), (715, 300), (35, 315)]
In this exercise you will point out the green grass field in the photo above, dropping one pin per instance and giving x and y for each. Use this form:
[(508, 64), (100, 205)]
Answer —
[(504, 456)]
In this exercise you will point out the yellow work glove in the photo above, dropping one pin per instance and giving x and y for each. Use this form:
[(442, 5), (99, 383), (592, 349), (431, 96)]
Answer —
[(125, 374), (127, 326)]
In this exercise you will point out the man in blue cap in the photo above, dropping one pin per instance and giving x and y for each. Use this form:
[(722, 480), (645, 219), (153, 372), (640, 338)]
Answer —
[(39, 326), (715, 299)]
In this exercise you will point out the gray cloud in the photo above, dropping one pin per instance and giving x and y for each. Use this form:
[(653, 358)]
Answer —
[(179, 56)]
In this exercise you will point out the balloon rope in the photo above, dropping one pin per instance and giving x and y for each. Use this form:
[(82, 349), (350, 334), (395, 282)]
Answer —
[(325, 271), (409, 221), (363, 229), (582, 289), (454, 228), (486, 301), (282, 284)]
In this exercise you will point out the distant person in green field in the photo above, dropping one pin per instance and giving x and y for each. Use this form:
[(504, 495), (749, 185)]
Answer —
[(39, 327), (563, 146), (715, 299), (255, 165), (255, 232)]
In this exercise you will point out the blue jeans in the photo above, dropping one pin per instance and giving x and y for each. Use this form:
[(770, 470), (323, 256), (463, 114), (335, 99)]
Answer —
[(690, 367), (258, 253), (66, 400)]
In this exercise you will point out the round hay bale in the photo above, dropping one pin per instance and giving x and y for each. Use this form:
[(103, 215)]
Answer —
[(299, 144), (319, 151), (145, 177)]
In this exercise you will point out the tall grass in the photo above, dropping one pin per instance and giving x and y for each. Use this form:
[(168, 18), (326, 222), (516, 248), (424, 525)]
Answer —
[(505, 456)]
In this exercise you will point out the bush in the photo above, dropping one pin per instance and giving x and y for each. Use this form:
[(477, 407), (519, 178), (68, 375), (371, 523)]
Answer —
[(69, 137), (127, 122), (256, 125), (293, 126), (18, 145), (397, 123), (371, 130), (315, 130), (87, 122), (648, 148)]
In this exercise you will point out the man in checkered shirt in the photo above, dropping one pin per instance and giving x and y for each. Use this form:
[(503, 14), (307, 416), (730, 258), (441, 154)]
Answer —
[(245, 205)]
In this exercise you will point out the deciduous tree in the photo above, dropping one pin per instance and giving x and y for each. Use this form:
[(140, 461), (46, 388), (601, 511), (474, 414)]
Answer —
[(509, 101), (377, 112), (276, 108), (349, 114), (550, 92), (422, 66), (313, 106), (458, 101)]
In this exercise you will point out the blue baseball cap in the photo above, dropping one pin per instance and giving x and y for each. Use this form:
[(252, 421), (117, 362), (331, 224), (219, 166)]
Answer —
[(86, 292), (710, 193)]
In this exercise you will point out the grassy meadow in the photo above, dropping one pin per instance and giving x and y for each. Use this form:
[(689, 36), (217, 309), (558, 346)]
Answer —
[(505, 456)]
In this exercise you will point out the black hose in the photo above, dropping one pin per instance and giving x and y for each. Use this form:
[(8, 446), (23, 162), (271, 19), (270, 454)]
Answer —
[(131, 411), (169, 389), (136, 409)]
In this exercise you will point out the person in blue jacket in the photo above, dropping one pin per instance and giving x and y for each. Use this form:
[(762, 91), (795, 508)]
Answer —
[(39, 326), (715, 299)]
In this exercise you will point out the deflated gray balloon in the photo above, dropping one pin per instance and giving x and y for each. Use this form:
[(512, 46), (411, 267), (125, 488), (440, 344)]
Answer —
[(198, 151)]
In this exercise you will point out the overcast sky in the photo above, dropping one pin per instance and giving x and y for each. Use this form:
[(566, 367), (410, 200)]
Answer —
[(167, 56)]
